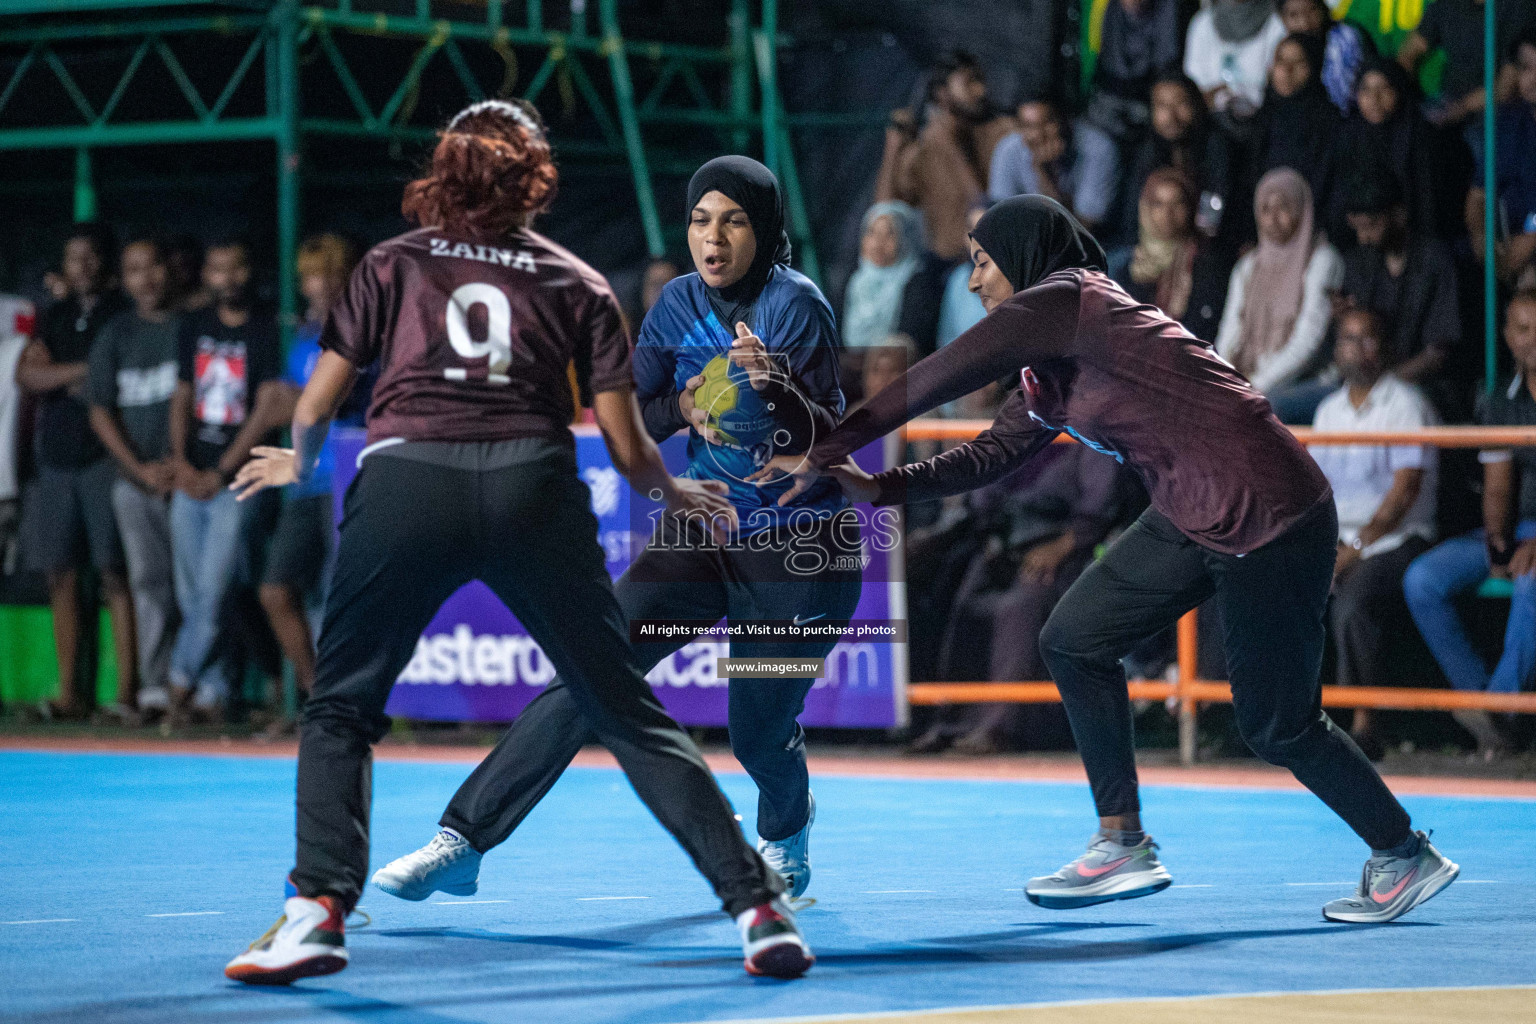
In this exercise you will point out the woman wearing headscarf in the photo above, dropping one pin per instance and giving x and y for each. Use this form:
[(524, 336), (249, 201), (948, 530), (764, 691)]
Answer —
[(1278, 302), (890, 247), (1345, 46), (1299, 126), (1239, 512), (1171, 266), (1387, 132), (744, 314), (1183, 138)]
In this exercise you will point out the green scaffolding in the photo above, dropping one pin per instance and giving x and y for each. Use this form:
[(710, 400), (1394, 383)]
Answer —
[(727, 95)]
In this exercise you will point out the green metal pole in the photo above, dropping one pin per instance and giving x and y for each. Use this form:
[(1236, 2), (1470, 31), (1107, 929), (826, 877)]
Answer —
[(741, 72), (629, 120), (799, 221), (288, 156), (85, 187), (1490, 201), (768, 82)]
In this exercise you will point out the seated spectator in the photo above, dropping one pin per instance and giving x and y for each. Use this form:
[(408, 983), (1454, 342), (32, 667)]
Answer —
[(1278, 306), (300, 557), (890, 251), (1183, 138), (941, 166), (1386, 132), (1386, 501), (959, 307), (1077, 165), (1345, 46), (132, 378), (1138, 41), (70, 507), (1042, 536), (1456, 26), (1406, 278), (1299, 127), (1171, 266), (1515, 179), (1227, 52), (1505, 548), (228, 358), (17, 323)]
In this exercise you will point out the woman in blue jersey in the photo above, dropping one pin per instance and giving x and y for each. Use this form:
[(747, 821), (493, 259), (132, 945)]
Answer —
[(742, 354)]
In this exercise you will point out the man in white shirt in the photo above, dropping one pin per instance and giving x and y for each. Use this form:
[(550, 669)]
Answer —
[(1386, 502), (16, 325)]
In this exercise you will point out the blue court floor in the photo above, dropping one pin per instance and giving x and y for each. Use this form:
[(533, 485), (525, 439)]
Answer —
[(131, 879)]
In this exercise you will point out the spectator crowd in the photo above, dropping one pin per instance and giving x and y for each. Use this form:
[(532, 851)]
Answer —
[(148, 381), (1282, 186), (1264, 172)]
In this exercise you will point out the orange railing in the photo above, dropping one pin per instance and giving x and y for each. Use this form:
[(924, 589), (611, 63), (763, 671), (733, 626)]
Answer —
[(1189, 691)]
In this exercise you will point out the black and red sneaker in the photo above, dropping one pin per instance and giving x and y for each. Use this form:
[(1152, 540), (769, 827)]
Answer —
[(771, 941), (307, 941)]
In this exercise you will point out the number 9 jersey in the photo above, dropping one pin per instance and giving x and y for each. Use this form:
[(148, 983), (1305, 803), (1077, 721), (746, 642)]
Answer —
[(473, 339)]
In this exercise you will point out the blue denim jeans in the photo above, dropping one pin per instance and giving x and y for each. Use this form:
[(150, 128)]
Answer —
[(1444, 573), (207, 540)]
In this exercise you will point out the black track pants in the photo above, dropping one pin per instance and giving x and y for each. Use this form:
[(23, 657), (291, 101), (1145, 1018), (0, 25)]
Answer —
[(414, 532)]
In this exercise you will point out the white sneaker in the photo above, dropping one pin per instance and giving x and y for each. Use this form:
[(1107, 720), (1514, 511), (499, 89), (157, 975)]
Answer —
[(771, 943), (307, 941), (447, 864), (791, 857)]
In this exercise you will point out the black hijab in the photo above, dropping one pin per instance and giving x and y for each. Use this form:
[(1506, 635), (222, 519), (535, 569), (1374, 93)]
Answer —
[(1031, 237), (1394, 142), (753, 187)]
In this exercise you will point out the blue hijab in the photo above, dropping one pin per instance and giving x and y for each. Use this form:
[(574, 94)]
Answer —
[(873, 302)]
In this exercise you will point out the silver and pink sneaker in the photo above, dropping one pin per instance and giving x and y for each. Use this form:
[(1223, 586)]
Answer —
[(1106, 872), (1392, 886)]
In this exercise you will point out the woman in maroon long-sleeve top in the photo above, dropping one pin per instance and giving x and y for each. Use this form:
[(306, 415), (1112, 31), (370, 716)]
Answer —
[(1239, 512)]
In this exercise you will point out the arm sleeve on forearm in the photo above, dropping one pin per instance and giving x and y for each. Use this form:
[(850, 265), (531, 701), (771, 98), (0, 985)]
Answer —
[(663, 416), (1012, 440), (1033, 326)]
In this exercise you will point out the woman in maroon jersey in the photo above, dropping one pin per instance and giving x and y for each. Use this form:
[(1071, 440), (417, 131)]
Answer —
[(470, 473), (1239, 512)]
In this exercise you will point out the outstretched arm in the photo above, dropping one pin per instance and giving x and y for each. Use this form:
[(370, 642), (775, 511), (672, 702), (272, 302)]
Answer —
[(1012, 440), (1033, 326), (278, 467)]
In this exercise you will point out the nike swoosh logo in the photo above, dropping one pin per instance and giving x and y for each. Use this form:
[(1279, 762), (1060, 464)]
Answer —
[(1386, 897), (1102, 869), (797, 620)]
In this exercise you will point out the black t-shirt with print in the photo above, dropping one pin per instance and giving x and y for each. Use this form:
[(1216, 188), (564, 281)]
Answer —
[(225, 366)]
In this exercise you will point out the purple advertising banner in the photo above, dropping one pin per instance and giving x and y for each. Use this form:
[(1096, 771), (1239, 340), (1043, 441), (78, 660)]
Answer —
[(475, 662)]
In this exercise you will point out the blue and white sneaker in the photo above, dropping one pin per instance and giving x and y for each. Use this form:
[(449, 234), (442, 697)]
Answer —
[(791, 857), (1106, 872), (447, 864), (1392, 886)]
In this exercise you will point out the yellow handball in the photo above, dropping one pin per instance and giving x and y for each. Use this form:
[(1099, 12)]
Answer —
[(718, 395)]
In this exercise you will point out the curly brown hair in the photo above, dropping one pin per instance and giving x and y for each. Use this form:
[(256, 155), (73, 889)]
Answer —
[(491, 171)]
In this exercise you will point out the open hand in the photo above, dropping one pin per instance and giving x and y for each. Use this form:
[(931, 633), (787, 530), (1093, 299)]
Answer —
[(855, 483), (269, 467), (749, 353)]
